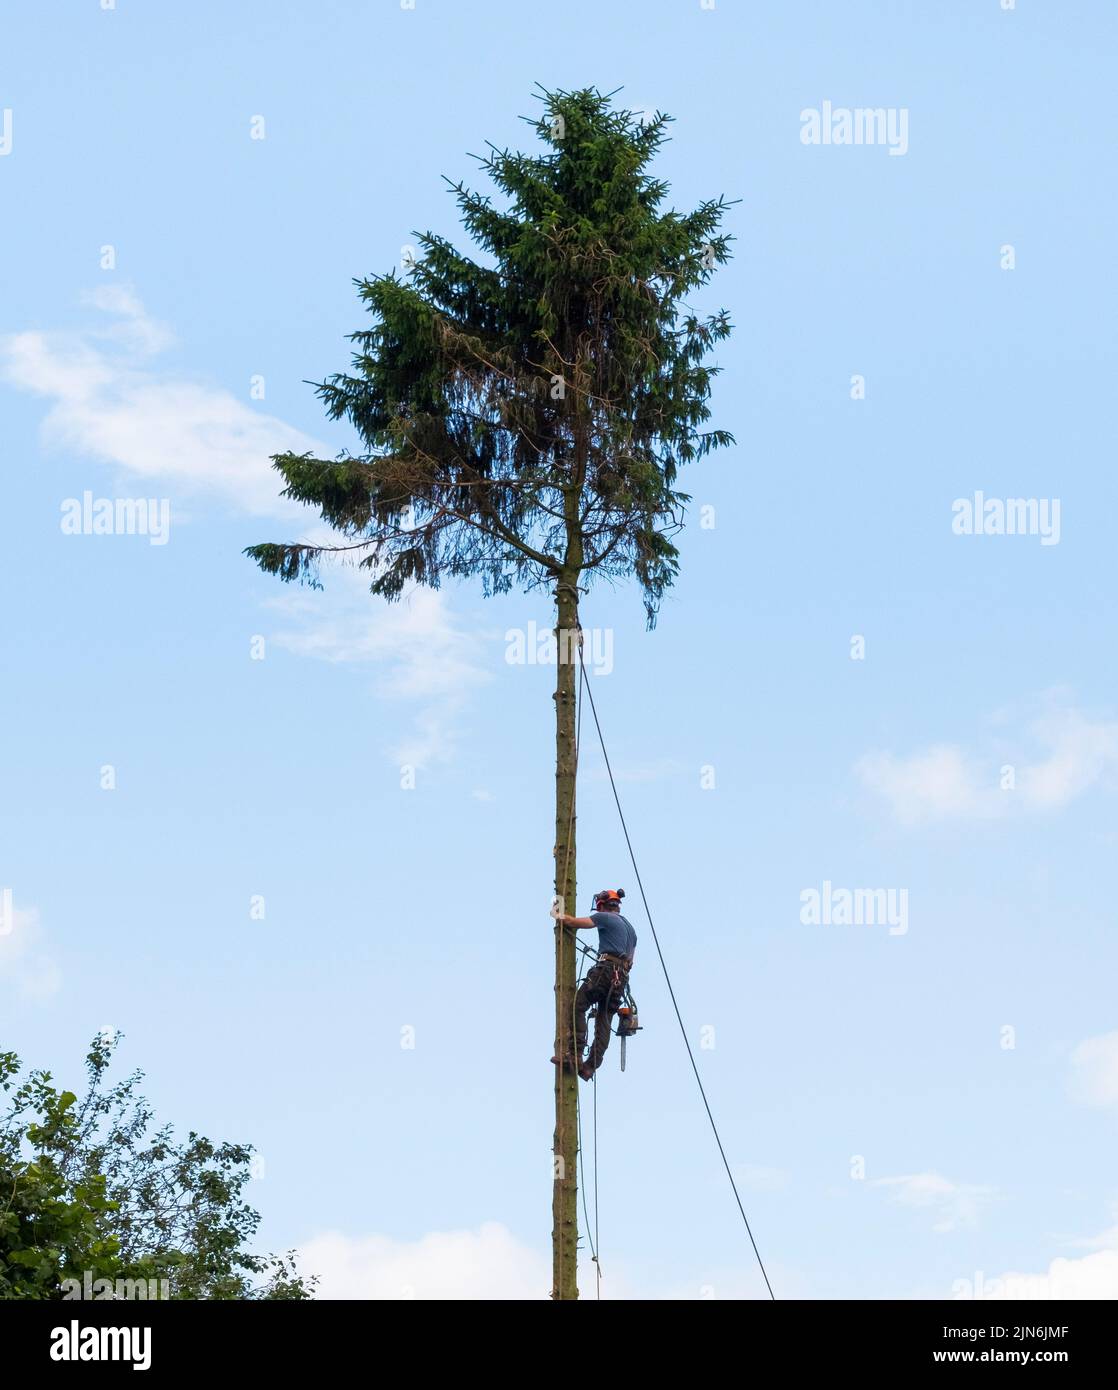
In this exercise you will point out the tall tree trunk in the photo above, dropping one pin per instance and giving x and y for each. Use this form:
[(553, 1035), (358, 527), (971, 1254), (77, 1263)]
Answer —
[(564, 1233)]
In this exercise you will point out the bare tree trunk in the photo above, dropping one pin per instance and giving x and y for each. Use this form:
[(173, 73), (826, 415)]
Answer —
[(564, 1233)]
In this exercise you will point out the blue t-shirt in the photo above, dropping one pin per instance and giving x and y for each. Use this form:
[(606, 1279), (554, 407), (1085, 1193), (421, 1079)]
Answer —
[(616, 936)]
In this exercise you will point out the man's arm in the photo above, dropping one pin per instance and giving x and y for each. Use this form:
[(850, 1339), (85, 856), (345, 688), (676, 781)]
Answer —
[(576, 922)]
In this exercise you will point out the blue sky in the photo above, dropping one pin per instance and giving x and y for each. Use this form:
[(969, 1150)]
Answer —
[(427, 1168)]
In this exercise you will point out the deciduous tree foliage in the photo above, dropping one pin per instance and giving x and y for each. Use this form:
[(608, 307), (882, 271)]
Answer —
[(91, 1185)]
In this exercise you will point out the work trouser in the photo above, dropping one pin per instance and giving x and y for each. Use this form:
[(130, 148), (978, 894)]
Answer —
[(604, 986)]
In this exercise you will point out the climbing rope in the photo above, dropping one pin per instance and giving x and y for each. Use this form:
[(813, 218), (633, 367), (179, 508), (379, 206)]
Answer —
[(586, 951), (597, 1238), (671, 991)]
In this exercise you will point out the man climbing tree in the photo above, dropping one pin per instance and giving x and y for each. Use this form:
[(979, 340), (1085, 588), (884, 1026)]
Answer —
[(606, 980), (524, 420)]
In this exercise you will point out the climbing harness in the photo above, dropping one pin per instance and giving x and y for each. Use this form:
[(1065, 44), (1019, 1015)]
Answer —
[(627, 1023)]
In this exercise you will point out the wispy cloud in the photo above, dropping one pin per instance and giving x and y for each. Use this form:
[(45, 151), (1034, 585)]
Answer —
[(934, 784), (951, 1204), (1094, 1078), (1060, 754), (759, 1179), (1105, 1240), (111, 400), (1092, 1277), (1088, 1277), (487, 1263), (420, 653), (27, 965), (1081, 753)]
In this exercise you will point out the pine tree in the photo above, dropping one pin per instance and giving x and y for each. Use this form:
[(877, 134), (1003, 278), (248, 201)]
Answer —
[(523, 420)]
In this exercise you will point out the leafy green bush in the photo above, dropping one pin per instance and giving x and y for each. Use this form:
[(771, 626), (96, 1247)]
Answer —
[(91, 1187)]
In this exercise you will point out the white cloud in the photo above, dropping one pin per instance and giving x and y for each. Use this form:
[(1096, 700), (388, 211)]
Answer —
[(1093, 1276), (1082, 753), (1108, 1240), (1089, 1277), (760, 1179), (489, 1263), (1095, 1071), (1060, 755), (951, 1204), (111, 401), (420, 653), (433, 737), (932, 785), (416, 638), (26, 964)]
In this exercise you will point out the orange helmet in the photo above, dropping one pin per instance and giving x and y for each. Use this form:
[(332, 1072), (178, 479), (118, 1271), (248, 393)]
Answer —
[(608, 896)]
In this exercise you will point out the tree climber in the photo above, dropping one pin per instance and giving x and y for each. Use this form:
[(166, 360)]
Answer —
[(606, 980)]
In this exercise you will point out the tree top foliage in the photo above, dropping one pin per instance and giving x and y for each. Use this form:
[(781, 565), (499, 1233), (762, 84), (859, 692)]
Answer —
[(523, 414)]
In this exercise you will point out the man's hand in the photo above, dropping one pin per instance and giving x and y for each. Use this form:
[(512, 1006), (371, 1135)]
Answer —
[(564, 919), (576, 922)]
